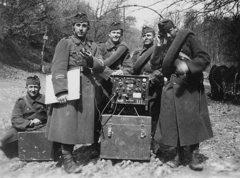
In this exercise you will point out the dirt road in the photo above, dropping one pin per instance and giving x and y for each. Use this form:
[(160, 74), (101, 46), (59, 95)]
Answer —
[(220, 155)]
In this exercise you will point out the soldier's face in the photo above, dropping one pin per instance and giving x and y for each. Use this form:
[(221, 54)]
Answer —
[(171, 33), (81, 29), (148, 38), (33, 90), (115, 35)]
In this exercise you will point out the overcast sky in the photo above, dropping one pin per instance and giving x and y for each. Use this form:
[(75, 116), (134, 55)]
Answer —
[(144, 16)]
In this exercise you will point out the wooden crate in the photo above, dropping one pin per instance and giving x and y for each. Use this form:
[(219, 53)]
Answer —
[(34, 146), (126, 137)]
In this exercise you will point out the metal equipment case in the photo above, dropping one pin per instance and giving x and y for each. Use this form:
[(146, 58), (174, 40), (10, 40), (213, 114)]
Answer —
[(125, 137), (34, 146)]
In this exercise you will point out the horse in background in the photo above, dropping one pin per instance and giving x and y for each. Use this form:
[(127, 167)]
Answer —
[(225, 82), (216, 80)]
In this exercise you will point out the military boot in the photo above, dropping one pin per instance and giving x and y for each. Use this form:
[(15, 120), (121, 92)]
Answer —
[(68, 163), (178, 158), (194, 163), (175, 162)]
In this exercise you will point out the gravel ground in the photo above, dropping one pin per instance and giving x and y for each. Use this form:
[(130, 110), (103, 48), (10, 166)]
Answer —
[(220, 155)]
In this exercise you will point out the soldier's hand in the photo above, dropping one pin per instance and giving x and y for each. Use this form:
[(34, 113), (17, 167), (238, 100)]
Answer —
[(117, 72), (31, 123), (62, 98), (181, 67), (160, 40), (35, 122), (87, 55)]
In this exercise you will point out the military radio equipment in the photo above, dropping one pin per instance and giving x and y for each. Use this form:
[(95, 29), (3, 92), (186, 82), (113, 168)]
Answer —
[(130, 92), (130, 89)]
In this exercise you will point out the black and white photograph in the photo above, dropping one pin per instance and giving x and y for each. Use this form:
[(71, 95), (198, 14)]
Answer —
[(119, 89)]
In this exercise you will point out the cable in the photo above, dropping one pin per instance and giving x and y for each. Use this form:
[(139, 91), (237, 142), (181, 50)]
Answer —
[(111, 114), (106, 106)]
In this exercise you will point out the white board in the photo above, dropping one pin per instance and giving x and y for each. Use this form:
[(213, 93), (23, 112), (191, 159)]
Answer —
[(73, 87)]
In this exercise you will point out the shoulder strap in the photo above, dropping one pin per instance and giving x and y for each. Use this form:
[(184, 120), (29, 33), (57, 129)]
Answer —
[(29, 105), (116, 55), (174, 50), (141, 61)]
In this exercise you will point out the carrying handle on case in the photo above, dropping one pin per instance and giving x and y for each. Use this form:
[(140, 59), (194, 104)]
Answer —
[(109, 130), (143, 131)]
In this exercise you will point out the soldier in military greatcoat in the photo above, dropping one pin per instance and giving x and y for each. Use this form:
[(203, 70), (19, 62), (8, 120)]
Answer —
[(141, 66), (184, 118), (116, 56), (72, 122)]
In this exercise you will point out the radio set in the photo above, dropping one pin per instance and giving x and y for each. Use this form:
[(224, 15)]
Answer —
[(127, 136), (130, 89)]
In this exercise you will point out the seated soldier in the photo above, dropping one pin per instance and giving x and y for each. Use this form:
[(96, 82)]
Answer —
[(29, 112)]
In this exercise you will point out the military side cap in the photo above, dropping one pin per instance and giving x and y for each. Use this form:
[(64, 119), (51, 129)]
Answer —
[(165, 25), (80, 18), (33, 80), (146, 29), (115, 26)]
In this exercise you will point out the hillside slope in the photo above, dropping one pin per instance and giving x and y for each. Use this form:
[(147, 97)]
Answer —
[(16, 54)]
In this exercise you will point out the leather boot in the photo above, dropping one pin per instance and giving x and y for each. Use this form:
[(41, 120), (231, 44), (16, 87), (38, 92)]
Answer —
[(68, 164), (175, 162), (194, 162), (177, 159)]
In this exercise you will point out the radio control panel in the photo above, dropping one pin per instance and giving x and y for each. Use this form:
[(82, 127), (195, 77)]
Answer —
[(131, 89)]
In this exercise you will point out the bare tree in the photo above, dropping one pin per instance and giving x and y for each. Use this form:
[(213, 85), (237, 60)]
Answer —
[(104, 12), (205, 7)]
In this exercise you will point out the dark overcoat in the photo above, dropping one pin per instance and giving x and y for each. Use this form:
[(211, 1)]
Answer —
[(147, 69), (156, 85), (184, 114), (116, 57), (123, 60), (73, 122)]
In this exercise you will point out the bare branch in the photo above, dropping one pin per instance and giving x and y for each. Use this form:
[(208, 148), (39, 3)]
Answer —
[(216, 7)]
